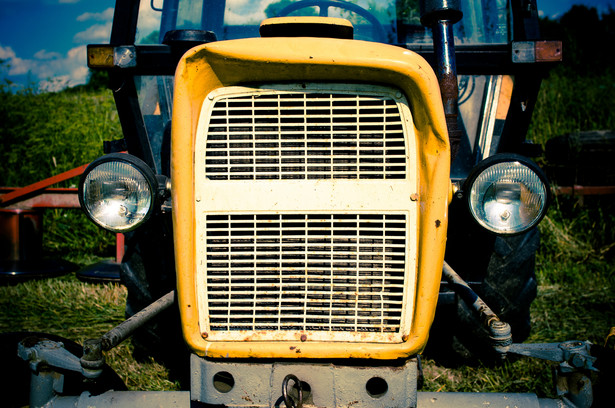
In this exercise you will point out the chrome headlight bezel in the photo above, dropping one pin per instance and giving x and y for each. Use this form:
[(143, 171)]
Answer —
[(511, 177), (127, 172)]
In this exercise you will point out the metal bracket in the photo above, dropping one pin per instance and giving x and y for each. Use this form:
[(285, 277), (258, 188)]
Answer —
[(53, 354), (572, 355)]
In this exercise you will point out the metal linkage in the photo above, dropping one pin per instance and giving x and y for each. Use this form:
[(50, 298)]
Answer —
[(46, 356), (573, 384), (500, 332), (121, 332), (93, 358), (572, 355)]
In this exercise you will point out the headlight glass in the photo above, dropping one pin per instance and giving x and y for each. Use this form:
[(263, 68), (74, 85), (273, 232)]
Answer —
[(117, 195), (508, 197)]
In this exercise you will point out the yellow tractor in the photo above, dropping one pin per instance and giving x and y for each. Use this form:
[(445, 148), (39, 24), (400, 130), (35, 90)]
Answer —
[(320, 186)]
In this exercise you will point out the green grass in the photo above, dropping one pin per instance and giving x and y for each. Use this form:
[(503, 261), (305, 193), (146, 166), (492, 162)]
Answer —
[(59, 131), (78, 311), (42, 135), (568, 103)]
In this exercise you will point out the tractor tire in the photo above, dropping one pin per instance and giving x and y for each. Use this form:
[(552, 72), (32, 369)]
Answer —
[(508, 286), (15, 387)]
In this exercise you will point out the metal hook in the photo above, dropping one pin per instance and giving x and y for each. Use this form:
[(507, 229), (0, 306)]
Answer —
[(287, 398)]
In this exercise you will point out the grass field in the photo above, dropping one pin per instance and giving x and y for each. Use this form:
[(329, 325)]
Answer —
[(45, 134)]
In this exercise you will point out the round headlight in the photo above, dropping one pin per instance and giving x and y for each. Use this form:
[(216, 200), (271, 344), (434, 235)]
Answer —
[(507, 194), (117, 192)]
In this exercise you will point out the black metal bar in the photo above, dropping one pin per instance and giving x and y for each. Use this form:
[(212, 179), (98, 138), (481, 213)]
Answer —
[(168, 19), (525, 20), (519, 116), (121, 332), (471, 60), (125, 22), (131, 120)]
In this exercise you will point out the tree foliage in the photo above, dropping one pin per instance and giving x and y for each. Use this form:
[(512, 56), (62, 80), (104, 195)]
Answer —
[(587, 39)]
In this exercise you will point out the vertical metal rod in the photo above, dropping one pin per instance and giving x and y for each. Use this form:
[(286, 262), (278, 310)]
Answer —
[(446, 67), (446, 70), (440, 16)]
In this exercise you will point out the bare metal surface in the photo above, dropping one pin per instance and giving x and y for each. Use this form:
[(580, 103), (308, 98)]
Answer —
[(324, 385)]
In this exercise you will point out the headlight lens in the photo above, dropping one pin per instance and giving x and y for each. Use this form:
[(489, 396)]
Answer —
[(117, 192), (508, 197)]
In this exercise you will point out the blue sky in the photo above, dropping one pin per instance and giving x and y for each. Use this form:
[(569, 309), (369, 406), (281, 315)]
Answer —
[(44, 41)]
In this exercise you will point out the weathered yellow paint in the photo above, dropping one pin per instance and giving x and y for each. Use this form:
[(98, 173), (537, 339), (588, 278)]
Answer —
[(239, 62)]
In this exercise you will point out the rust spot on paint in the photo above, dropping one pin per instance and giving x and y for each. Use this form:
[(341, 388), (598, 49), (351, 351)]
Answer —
[(438, 222), (292, 347)]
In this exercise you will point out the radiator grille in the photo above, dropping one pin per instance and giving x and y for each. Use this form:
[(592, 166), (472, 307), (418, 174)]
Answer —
[(312, 272), (315, 135)]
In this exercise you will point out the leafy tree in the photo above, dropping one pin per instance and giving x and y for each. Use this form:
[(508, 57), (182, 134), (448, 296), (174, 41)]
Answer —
[(585, 35)]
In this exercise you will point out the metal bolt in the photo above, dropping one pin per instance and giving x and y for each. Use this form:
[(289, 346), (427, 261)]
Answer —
[(303, 337), (577, 361)]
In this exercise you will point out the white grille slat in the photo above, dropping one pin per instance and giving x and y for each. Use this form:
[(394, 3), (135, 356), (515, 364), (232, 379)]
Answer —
[(319, 272), (305, 136)]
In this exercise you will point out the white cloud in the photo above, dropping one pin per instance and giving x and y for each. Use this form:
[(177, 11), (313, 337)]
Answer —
[(55, 84), (52, 70), (106, 15), (95, 33), (47, 55), (6, 53), (16, 65)]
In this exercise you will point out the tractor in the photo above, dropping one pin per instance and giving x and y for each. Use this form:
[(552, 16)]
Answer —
[(309, 191)]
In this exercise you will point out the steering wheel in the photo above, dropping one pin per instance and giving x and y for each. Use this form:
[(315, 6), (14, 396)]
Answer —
[(323, 7)]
